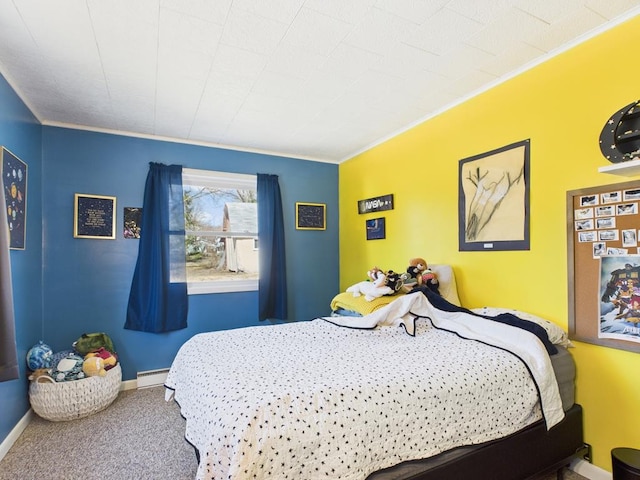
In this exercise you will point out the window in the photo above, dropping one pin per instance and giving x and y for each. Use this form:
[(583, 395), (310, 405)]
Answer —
[(221, 221)]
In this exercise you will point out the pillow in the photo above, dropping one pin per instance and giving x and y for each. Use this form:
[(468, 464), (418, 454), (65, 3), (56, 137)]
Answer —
[(556, 335), (447, 283)]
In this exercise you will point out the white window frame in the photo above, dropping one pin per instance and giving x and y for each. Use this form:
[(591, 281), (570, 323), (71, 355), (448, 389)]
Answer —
[(213, 179)]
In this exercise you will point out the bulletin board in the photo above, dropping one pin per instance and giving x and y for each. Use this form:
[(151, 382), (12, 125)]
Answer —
[(603, 225)]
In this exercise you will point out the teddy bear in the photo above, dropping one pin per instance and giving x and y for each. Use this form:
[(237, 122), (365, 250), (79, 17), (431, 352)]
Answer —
[(372, 289), (413, 275), (93, 366)]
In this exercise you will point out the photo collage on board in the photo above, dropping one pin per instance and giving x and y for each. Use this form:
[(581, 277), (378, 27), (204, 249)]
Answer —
[(609, 223), (599, 220)]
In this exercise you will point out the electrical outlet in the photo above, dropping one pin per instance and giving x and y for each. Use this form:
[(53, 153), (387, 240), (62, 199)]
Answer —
[(586, 452)]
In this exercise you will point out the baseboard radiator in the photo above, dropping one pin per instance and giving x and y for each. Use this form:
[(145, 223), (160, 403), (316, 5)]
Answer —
[(152, 378)]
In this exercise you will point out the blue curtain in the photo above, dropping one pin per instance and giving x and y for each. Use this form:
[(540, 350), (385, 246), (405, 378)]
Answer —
[(272, 286), (158, 301), (8, 351)]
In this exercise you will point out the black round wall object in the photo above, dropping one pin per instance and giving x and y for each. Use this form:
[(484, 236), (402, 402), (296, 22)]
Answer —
[(620, 137)]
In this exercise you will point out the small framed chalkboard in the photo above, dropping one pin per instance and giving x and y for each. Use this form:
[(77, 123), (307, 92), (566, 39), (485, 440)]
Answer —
[(311, 216), (94, 216)]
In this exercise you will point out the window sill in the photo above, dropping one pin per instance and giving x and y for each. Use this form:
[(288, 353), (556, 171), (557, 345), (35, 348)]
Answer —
[(200, 288)]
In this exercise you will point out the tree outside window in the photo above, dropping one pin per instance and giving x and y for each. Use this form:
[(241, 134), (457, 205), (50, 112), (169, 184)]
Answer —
[(221, 231)]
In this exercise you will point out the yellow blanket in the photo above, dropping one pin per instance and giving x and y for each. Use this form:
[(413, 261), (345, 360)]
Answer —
[(347, 301)]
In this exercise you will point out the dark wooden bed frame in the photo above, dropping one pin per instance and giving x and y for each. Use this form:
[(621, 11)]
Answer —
[(524, 455)]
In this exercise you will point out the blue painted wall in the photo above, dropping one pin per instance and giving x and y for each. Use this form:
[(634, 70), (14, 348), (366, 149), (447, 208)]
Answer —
[(21, 133), (64, 287), (86, 282)]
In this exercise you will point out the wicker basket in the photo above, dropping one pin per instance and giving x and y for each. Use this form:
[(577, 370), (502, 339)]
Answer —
[(75, 399)]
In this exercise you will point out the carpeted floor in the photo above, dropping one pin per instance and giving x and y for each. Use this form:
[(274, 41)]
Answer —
[(140, 436)]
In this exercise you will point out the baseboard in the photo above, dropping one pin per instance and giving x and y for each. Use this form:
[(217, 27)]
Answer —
[(589, 470), (15, 433), (152, 378), (128, 385)]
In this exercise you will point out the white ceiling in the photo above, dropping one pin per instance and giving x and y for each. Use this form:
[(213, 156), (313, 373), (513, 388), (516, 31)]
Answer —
[(316, 79)]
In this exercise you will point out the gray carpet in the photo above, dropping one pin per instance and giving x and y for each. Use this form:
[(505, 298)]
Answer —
[(139, 436)]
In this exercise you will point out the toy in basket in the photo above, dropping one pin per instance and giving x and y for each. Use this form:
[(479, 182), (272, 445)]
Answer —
[(78, 385)]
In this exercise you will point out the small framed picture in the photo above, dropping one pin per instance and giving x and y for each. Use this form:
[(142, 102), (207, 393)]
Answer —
[(311, 216), (132, 220), (375, 229), (94, 216)]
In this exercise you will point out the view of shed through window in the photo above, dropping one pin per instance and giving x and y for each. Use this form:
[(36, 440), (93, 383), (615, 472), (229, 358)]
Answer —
[(221, 222)]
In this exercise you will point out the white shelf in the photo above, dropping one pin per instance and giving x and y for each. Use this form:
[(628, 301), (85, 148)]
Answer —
[(629, 168)]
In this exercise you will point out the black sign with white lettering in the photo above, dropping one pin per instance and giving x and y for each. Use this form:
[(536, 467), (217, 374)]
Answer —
[(376, 204)]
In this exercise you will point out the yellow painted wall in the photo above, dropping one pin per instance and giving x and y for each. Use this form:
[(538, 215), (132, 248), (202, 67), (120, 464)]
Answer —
[(561, 105)]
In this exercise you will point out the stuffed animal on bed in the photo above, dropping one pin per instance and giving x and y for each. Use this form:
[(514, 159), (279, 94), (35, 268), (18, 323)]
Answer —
[(419, 274), (372, 289), (430, 280), (373, 273), (413, 275), (415, 269), (394, 281)]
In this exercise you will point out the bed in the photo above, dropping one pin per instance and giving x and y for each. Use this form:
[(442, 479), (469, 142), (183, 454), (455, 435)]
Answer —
[(418, 389)]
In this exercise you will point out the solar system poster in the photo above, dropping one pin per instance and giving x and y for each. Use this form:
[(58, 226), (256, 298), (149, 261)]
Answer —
[(14, 180)]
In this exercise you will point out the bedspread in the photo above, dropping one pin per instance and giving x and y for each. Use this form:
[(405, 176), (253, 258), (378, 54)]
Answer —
[(311, 400), (521, 343)]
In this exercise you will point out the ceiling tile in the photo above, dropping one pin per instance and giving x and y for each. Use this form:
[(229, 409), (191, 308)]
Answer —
[(443, 31), (459, 61), (549, 12), (380, 31), (483, 12), (316, 32), (252, 32), (281, 10), (350, 12), (564, 30), (613, 8), (406, 61), (295, 60), (211, 11), (415, 11), (515, 56), (509, 27), (348, 62)]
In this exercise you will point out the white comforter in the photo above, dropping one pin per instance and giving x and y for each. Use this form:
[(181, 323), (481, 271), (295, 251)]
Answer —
[(311, 400)]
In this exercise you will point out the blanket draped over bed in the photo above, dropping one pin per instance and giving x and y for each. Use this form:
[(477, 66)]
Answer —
[(311, 400)]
